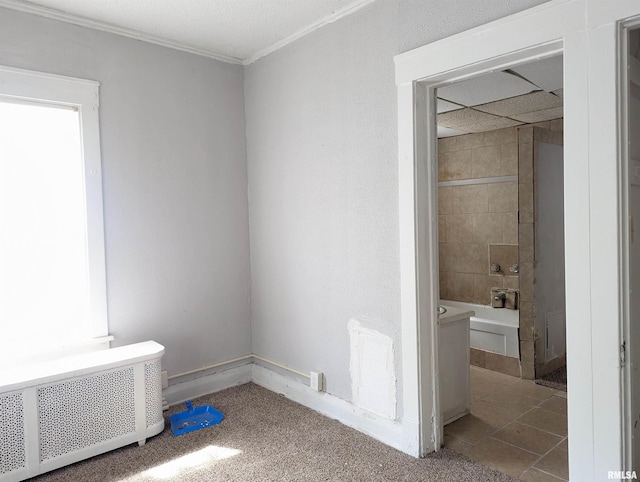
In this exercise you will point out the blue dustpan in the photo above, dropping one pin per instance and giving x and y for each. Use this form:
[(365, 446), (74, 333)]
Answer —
[(194, 418)]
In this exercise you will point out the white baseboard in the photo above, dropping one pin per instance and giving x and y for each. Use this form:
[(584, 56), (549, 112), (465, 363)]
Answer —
[(207, 384), (389, 432), (386, 431)]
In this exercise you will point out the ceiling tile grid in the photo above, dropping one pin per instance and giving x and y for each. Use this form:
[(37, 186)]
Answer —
[(525, 94)]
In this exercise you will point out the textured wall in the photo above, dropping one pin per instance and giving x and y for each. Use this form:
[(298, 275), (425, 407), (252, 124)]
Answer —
[(323, 186), (175, 193)]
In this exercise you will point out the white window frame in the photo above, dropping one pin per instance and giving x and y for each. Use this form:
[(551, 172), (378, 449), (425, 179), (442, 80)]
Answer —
[(26, 85)]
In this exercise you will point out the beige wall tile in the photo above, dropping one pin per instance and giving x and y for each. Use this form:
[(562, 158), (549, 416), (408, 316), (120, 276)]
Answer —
[(487, 228), (526, 311), (525, 162), (470, 199), (482, 285), (445, 200), (505, 255), (447, 144), (503, 364), (442, 228), (447, 257), (508, 135), (509, 159), (477, 357), (511, 282), (525, 234), (525, 134), (454, 165), (485, 161), (548, 136), (526, 253), (470, 141), (443, 285), (541, 125), (526, 282), (510, 228), (460, 287), (556, 125), (474, 259), (460, 228), (526, 202), (502, 197)]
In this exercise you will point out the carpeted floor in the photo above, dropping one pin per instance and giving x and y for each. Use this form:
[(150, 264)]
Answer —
[(264, 437), (556, 379)]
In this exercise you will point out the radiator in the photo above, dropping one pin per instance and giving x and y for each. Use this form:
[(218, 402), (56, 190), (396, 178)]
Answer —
[(61, 412)]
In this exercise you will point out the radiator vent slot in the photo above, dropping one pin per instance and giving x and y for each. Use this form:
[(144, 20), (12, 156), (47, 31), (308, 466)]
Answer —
[(84, 412), (153, 392), (12, 447)]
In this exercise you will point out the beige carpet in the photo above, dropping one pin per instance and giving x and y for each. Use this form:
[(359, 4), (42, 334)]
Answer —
[(263, 437)]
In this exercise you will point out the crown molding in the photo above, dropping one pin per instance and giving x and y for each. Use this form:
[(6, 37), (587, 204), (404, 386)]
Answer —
[(110, 28), (306, 30), (53, 14)]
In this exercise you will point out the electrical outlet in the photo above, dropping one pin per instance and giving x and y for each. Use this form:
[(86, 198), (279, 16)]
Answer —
[(165, 379), (316, 381)]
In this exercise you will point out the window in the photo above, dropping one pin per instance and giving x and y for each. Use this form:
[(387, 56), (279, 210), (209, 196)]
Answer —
[(52, 271)]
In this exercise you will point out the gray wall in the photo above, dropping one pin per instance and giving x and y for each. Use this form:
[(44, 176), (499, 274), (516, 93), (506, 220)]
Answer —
[(323, 188), (175, 192)]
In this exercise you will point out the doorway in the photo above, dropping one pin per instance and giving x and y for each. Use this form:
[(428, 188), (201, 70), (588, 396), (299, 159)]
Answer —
[(498, 222), (586, 33)]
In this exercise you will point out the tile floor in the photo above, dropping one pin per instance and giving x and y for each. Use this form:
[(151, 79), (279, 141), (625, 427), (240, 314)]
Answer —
[(515, 426)]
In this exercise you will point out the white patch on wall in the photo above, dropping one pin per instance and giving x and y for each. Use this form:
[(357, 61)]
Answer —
[(373, 377)]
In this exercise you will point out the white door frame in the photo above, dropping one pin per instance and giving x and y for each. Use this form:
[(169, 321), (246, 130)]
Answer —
[(586, 32)]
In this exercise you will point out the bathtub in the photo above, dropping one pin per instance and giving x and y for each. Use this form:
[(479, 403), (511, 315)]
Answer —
[(63, 411), (492, 329)]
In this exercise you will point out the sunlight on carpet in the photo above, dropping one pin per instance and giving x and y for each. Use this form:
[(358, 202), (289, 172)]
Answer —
[(199, 458)]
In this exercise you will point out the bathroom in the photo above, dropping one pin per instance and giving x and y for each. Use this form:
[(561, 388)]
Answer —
[(500, 215)]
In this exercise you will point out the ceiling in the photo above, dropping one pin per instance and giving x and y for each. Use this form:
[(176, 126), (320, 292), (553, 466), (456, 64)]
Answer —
[(525, 94), (238, 31)]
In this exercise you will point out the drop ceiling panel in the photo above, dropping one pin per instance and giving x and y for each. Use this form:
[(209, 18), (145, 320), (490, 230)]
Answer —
[(540, 116), (486, 88), (446, 106), (546, 73), (521, 104), (446, 132), (497, 123), (461, 117)]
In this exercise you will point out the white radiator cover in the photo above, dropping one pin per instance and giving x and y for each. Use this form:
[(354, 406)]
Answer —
[(58, 413)]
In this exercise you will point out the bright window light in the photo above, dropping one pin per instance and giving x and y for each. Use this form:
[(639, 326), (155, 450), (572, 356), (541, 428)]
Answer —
[(43, 231), (200, 458)]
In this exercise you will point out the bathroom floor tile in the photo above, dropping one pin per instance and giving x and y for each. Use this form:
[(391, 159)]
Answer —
[(502, 398), (469, 429), (555, 462), (457, 444), (527, 438), (555, 404), (532, 447), (535, 475), (530, 389), (495, 415), (545, 420), (501, 456)]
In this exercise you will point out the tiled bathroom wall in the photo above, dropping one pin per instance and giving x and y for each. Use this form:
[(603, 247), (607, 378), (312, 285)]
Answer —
[(478, 223)]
